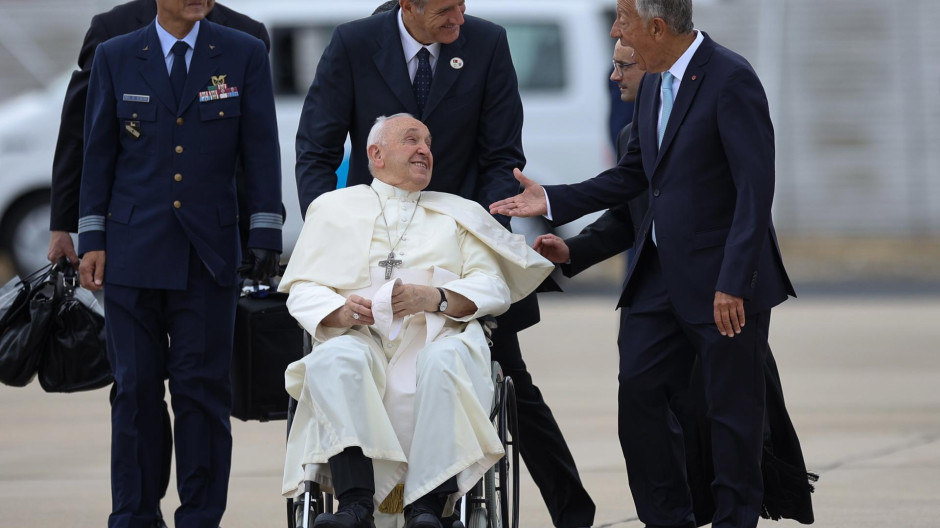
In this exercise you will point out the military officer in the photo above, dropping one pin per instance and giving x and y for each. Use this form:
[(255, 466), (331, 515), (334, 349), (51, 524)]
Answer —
[(170, 108)]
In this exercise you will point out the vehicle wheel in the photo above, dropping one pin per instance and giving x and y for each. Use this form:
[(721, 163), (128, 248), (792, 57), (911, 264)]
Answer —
[(25, 233)]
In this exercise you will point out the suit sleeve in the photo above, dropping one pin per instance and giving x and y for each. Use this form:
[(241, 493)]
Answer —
[(612, 187), (324, 123), (748, 139), (499, 137), (609, 235), (102, 141), (67, 161), (260, 153)]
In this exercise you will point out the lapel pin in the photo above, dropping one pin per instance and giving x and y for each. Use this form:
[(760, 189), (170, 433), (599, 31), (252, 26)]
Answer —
[(694, 77), (456, 63)]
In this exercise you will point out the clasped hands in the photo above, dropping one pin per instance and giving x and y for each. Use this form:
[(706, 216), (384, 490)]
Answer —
[(728, 309), (407, 299)]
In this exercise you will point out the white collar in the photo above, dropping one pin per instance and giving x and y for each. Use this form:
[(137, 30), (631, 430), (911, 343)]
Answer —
[(167, 40), (411, 46), (389, 191), (678, 69)]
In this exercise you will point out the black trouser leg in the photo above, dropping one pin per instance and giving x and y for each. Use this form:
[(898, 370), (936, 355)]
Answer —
[(353, 478), (434, 500), (541, 444)]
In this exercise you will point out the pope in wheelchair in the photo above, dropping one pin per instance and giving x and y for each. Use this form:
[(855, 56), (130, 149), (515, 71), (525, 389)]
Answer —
[(390, 281)]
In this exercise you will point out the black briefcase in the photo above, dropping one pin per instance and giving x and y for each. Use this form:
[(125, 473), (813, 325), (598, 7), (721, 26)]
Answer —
[(267, 339)]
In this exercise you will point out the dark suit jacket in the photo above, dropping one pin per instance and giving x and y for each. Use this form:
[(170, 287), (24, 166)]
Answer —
[(711, 187), (174, 186), (474, 112), (67, 163), (611, 234)]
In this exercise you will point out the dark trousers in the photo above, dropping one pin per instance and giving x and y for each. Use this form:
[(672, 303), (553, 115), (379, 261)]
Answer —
[(167, 449), (541, 443), (657, 350), (185, 336)]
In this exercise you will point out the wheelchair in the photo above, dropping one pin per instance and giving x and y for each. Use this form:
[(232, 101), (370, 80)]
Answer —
[(492, 502)]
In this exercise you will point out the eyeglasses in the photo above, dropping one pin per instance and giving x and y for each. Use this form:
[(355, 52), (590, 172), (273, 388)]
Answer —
[(622, 67)]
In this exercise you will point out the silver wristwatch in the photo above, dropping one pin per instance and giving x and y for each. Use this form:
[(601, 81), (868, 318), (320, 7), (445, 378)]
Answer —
[(443, 305)]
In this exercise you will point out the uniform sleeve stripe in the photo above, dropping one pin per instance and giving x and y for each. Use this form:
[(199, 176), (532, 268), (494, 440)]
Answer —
[(91, 223), (266, 221)]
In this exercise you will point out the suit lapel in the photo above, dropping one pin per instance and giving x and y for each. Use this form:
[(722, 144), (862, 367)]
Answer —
[(691, 80), (651, 104), (390, 61), (444, 75), (203, 64), (153, 67)]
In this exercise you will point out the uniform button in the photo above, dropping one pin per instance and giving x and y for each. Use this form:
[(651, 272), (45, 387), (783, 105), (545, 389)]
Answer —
[(177, 204), (179, 120), (656, 192), (221, 114), (179, 149), (178, 177), (134, 115)]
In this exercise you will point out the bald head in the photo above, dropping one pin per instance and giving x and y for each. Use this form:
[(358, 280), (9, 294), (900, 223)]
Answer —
[(627, 73), (399, 149)]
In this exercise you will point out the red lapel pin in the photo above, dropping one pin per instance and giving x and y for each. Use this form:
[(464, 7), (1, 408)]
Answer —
[(694, 77)]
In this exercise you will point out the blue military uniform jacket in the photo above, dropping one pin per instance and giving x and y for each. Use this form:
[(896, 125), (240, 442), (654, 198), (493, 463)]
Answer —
[(159, 179)]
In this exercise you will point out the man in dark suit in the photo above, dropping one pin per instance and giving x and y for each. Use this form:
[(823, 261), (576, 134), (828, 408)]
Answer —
[(707, 260), (171, 107), (67, 162), (455, 73), (787, 484)]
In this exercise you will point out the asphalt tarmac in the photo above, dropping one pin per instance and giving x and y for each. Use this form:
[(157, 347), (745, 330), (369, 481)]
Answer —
[(861, 376)]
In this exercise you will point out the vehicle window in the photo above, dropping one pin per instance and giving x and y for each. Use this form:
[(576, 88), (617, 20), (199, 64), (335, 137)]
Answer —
[(295, 52), (536, 52), (537, 55)]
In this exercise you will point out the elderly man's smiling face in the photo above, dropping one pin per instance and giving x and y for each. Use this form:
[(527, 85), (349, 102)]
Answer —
[(402, 156), (438, 20)]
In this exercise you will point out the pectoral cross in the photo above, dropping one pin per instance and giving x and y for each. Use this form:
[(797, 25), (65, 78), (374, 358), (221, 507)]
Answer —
[(390, 263)]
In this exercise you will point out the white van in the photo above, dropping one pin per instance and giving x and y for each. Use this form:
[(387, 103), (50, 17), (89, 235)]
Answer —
[(561, 51)]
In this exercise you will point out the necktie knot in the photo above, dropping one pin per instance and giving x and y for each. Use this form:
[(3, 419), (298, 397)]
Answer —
[(180, 48)]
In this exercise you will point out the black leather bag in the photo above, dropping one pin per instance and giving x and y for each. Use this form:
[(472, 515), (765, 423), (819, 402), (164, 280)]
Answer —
[(267, 339), (75, 357), (25, 310)]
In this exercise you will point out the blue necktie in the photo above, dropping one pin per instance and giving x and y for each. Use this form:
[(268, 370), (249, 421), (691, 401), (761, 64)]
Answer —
[(667, 104), (178, 70), (422, 82)]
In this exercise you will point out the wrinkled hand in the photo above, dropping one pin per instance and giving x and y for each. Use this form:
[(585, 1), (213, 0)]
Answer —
[(91, 270), (531, 202), (345, 315), (260, 265), (729, 314), (553, 248), (408, 299), (61, 245)]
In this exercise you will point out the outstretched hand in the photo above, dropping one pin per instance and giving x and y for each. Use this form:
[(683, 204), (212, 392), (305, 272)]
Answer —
[(553, 248), (531, 202)]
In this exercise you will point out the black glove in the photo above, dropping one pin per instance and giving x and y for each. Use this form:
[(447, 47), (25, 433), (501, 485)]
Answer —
[(260, 265)]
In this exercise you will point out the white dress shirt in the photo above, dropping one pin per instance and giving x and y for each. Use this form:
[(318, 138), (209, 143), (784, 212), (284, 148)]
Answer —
[(167, 40), (411, 47)]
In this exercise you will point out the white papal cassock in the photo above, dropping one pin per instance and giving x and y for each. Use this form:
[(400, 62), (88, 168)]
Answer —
[(414, 394)]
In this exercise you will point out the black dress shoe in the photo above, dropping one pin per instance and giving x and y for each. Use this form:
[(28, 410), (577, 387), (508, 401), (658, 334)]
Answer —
[(354, 516), (417, 516)]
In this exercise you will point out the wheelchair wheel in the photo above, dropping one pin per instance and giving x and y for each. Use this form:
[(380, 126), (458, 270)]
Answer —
[(502, 485), (302, 511)]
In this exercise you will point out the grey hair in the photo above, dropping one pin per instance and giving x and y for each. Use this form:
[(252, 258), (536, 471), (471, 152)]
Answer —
[(676, 13), (377, 134), (419, 5)]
